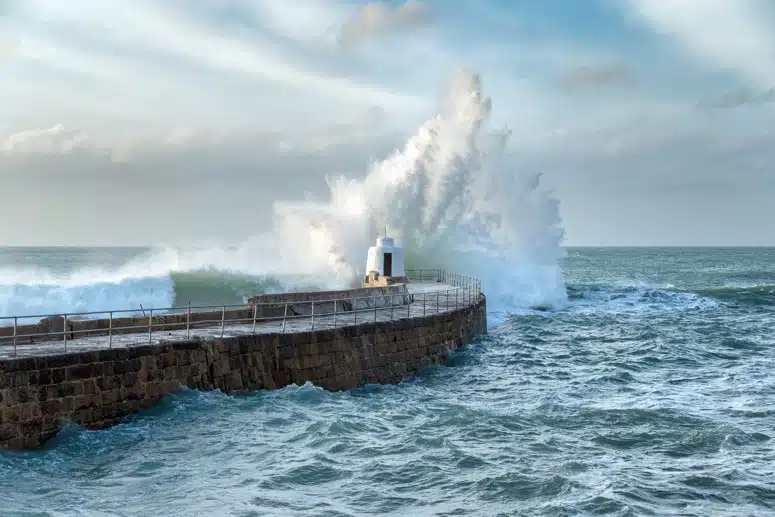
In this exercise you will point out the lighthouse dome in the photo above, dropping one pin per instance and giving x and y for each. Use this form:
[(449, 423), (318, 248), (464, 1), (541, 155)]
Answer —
[(385, 260)]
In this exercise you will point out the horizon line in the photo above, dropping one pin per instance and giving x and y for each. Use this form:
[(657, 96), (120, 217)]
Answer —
[(573, 246)]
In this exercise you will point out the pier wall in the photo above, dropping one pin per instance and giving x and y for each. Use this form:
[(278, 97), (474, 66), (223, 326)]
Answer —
[(97, 389), (269, 307)]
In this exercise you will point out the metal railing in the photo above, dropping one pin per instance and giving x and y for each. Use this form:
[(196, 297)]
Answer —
[(455, 291)]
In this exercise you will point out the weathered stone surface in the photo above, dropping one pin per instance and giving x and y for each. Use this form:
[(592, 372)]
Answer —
[(97, 389)]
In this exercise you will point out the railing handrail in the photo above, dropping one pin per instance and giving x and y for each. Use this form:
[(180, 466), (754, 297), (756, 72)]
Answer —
[(464, 287)]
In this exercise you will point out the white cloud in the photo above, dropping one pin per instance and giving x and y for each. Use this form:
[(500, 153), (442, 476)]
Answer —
[(737, 98), (8, 49), (259, 96), (51, 140), (378, 18), (315, 21), (728, 35), (140, 37), (591, 76)]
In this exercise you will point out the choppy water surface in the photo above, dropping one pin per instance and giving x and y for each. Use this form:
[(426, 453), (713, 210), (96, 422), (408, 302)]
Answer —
[(652, 393)]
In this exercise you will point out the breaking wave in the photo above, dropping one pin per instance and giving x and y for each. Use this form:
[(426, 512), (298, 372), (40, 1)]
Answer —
[(452, 196)]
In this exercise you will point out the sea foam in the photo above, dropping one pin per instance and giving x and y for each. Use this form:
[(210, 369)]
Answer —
[(452, 196)]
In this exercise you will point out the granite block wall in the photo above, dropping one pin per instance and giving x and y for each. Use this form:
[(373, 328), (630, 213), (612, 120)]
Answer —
[(97, 389)]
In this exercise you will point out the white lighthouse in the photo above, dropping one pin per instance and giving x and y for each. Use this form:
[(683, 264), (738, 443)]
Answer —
[(385, 264)]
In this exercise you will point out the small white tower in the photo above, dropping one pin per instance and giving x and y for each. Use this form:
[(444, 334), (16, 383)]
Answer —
[(385, 264)]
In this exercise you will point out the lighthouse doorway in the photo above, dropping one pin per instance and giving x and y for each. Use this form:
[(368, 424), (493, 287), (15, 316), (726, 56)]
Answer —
[(387, 270)]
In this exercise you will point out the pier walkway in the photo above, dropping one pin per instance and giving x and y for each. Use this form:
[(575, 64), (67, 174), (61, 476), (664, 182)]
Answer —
[(426, 298)]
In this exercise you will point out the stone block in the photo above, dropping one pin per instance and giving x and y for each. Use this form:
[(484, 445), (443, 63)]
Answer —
[(111, 397), (19, 379), (52, 407), (81, 371), (28, 394), (83, 416), (307, 349), (80, 402), (132, 393), (129, 380), (49, 423), (10, 414), (300, 338), (289, 352), (65, 389), (235, 380), (166, 360), (123, 366)]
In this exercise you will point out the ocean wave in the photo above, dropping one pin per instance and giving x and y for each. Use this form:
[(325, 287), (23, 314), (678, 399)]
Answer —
[(113, 292), (644, 298), (452, 196), (636, 299), (757, 294)]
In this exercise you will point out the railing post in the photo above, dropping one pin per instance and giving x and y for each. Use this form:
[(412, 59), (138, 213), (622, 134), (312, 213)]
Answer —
[(64, 330), (223, 318), (438, 302), (392, 306), (188, 320), (285, 315), (313, 316), (374, 301), (335, 304), (110, 329), (255, 314), (15, 325), (456, 290), (424, 295), (446, 300), (150, 326)]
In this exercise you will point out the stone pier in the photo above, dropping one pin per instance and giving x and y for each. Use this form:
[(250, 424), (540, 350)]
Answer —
[(97, 387)]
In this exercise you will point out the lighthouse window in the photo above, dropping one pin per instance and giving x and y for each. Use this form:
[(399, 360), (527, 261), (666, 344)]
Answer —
[(388, 266)]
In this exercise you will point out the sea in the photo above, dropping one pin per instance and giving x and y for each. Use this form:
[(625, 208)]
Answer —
[(648, 392)]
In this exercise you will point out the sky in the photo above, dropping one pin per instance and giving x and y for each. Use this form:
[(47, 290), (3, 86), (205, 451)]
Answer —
[(135, 123)]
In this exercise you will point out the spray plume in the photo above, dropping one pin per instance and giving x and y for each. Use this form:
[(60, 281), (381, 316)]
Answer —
[(451, 196)]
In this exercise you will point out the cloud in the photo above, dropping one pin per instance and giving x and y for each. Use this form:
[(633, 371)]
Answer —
[(358, 126), (589, 76), (379, 18), (55, 140), (737, 98), (205, 186), (729, 36), (204, 113), (8, 49)]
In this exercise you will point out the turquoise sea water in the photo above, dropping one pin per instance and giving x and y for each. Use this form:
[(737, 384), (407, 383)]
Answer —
[(651, 393)]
